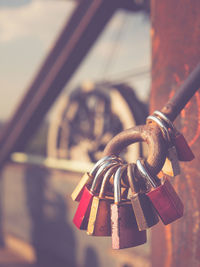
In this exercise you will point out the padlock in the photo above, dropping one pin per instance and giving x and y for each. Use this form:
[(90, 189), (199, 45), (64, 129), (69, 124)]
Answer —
[(88, 177), (145, 213), (184, 152), (162, 195), (99, 223), (83, 211), (125, 232), (171, 166)]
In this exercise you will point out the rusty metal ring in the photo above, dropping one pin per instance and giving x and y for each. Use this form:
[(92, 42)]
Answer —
[(152, 135)]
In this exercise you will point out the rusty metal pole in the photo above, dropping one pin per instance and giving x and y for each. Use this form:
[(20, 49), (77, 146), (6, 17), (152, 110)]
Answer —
[(175, 52)]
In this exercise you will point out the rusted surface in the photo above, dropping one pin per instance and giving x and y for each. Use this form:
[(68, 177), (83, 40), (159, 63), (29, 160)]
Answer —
[(175, 46)]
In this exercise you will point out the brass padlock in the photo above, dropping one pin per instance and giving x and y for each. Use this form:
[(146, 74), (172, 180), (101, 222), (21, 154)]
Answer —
[(88, 177), (145, 213), (125, 232), (171, 166), (99, 223)]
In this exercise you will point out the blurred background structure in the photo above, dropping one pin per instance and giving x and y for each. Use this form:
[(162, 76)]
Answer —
[(61, 123), (73, 75)]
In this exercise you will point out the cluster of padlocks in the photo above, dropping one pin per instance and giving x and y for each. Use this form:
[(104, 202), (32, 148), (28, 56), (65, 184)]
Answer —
[(123, 200)]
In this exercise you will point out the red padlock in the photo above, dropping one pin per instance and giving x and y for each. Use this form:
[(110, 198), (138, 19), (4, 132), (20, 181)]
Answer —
[(83, 211), (162, 195), (184, 152)]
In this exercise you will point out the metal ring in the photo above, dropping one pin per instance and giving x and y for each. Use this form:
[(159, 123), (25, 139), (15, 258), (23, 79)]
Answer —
[(149, 133), (143, 172), (165, 118), (162, 127)]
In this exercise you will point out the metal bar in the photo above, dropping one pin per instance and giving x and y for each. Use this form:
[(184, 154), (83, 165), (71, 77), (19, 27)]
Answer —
[(77, 37), (53, 163), (174, 106)]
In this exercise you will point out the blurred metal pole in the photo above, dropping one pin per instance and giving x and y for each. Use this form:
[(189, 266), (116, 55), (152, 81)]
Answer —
[(78, 35), (176, 52)]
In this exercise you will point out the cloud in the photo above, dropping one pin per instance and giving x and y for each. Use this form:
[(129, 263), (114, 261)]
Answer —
[(36, 20)]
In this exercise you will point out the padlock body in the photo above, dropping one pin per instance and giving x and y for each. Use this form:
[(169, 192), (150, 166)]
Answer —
[(99, 223), (171, 166), (145, 213), (166, 202), (78, 191), (125, 232), (82, 213), (167, 168), (184, 152)]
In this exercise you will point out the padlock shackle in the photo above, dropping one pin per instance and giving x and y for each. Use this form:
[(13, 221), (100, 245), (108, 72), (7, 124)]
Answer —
[(117, 183), (102, 169), (106, 179), (130, 174), (152, 135), (143, 172), (100, 162)]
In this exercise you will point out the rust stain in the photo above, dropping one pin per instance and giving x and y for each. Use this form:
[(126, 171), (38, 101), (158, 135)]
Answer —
[(152, 32), (177, 79), (168, 238), (171, 94), (186, 67), (156, 44), (197, 134), (195, 214)]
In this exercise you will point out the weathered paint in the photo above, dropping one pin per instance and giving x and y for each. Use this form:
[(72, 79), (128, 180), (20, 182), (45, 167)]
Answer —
[(175, 53)]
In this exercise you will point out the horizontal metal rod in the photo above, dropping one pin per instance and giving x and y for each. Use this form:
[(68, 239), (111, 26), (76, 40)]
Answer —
[(53, 163), (174, 106), (79, 34)]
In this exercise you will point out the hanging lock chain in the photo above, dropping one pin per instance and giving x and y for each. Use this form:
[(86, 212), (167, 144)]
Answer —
[(126, 219)]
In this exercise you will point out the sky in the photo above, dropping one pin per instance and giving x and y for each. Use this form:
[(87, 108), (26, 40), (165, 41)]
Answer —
[(28, 29)]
